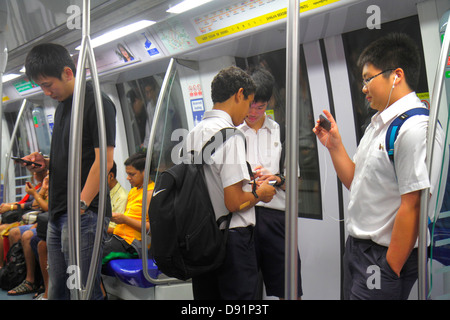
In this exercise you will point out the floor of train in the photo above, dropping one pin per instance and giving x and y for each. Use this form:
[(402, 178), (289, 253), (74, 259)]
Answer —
[(4, 296)]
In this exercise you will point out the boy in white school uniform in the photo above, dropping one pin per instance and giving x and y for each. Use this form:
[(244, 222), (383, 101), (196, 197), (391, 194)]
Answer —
[(384, 202), (227, 179)]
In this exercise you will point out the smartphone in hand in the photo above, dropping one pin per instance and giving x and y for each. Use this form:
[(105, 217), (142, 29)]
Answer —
[(324, 122), (28, 163)]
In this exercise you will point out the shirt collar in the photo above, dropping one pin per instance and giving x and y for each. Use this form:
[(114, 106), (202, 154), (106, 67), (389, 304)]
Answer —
[(269, 125), (214, 113), (400, 106)]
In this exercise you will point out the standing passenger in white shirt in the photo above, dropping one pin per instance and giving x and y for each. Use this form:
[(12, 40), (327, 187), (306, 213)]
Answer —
[(264, 149), (384, 204), (227, 179)]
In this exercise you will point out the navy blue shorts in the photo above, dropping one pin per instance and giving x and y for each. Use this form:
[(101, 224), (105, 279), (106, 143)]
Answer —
[(270, 250), (237, 278), (368, 276)]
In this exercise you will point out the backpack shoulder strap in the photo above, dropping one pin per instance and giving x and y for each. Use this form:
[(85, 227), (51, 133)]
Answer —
[(394, 128), (219, 138), (223, 135)]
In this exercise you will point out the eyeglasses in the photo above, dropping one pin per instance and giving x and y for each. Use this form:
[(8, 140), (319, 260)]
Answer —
[(365, 82)]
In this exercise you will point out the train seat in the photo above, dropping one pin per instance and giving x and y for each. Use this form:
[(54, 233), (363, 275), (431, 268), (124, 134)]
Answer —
[(130, 271)]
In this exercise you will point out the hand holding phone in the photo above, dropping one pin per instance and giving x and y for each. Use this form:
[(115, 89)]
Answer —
[(28, 163), (324, 122)]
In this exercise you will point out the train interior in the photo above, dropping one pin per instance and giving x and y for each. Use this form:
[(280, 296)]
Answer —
[(201, 41)]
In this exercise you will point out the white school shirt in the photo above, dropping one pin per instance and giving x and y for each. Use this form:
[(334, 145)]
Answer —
[(376, 189), (264, 149), (228, 164)]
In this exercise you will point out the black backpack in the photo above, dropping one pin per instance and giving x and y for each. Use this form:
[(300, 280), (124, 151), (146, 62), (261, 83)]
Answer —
[(186, 240), (15, 270)]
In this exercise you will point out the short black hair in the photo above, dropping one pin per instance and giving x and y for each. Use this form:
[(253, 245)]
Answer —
[(264, 82), (395, 50), (137, 161), (114, 169), (228, 82), (48, 60)]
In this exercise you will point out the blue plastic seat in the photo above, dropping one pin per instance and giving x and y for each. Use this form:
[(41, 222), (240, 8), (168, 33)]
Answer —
[(130, 272)]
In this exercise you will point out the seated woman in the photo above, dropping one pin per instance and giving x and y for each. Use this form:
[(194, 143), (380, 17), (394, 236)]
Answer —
[(126, 238)]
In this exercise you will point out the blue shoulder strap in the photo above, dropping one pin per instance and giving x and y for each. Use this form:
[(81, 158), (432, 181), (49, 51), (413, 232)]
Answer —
[(394, 128)]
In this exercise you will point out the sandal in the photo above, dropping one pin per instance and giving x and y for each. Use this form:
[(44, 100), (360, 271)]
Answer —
[(24, 288)]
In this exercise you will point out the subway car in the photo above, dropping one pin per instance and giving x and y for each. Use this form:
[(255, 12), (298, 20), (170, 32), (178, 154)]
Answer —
[(155, 59)]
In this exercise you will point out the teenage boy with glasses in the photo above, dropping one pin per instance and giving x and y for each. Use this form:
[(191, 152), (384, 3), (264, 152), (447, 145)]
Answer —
[(380, 260)]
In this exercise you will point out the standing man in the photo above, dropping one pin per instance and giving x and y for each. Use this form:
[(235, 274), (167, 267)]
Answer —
[(52, 68), (264, 149), (227, 179), (384, 206)]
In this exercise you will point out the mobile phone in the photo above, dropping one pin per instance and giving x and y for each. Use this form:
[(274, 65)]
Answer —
[(324, 122), (28, 163), (272, 182)]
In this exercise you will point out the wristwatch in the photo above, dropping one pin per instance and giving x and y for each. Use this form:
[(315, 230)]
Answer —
[(83, 205), (283, 179)]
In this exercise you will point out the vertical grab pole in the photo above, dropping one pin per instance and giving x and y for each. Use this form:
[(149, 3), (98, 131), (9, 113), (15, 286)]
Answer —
[(148, 160), (424, 200), (103, 173), (292, 105), (8, 152), (74, 183), (3, 62)]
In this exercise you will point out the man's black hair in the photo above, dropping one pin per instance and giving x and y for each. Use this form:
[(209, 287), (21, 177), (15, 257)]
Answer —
[(114, 169), (264, 82), (396, 50), (137, 161), (228, 82), (48, 60)]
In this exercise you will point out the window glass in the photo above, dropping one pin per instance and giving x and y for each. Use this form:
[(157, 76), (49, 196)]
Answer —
[(354, 44), (138, 100), (309, 204)]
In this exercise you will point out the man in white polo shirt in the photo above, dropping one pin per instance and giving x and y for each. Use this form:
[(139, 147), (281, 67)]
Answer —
[(384, 207), (227, 179)]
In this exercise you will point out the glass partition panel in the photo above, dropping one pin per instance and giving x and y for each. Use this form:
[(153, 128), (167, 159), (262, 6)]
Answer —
[(138, 100), (309, 204)]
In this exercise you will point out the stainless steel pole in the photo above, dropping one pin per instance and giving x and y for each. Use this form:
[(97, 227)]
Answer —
[(165, 91), (3, 62), (292, 105), (74, 183), (424, 200), (8, 152)]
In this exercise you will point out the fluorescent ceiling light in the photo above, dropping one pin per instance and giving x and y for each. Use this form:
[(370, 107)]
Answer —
[(119, 33), (9, 77), (187, 5)]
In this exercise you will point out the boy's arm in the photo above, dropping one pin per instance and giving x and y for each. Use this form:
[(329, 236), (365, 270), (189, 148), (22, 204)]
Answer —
[(91, 187)]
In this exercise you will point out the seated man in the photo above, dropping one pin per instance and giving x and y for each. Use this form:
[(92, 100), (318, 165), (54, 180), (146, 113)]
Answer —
[(118, 195), (26, 233), (127, 234)]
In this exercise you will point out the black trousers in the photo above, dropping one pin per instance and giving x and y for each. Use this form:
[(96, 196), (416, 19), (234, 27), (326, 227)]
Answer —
[(237, 278)]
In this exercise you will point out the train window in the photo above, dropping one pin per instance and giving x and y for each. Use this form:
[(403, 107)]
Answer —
[(41, 129), (354, 44), (138, 100), (309, 204), (24, 143)]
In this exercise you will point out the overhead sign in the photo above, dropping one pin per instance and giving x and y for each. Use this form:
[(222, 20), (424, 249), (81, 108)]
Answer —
[(221, 23)]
